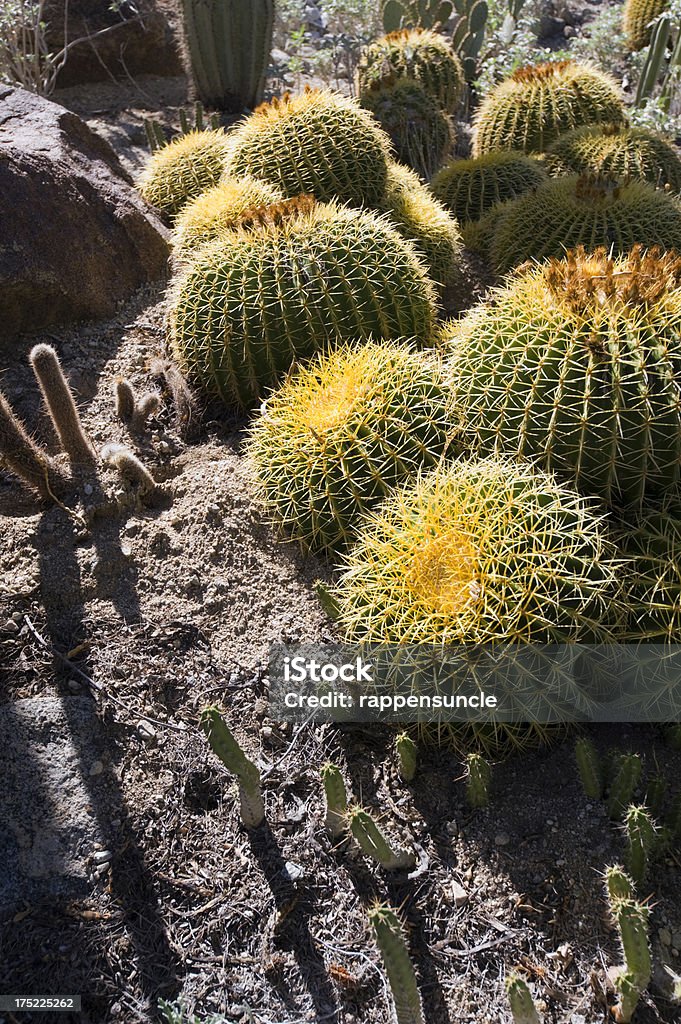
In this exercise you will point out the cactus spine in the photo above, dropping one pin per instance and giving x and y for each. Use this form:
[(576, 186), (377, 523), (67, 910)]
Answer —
[(478, 780), (61, 405), (227, 748), (336, 800), (407, 756), (641, 836), (589, 767), (520, 1000), (229, 44), (25, 458), (633, 978), (373, 843), (401, 977), (628, 768)]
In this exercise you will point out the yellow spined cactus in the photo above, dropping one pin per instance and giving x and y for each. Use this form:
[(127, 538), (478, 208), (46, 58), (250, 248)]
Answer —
[(182, 170), (219, 209), (420, 54), (637, 18)]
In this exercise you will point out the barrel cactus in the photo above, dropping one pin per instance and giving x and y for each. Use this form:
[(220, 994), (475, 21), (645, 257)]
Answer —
[(182, 170), (419, 54), (637, 18), (617, 152), (319, 143), (528, 110), (420, 131), (474, 553), (335, 439), (294, 278), (651, 544), (576, 364), (219, 209), (470, 188), (424, 221), (580, 210)]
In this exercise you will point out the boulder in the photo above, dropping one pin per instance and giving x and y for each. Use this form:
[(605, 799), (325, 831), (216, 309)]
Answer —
[(75, 236), (135, 38)]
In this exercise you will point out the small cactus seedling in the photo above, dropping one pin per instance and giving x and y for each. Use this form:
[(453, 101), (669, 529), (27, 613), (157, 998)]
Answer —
[(520, 999), (156, 136), (417, 54), (618, 884), (641, 833), (407, 756), (336, 800), (478, 780), (373, 843), (630, 980), (132, 410), (130, 467), (184, 169), (227, 748), (655, 795), (529, 110), (589, 767), (398, 966), (627, 773), (61, 405)]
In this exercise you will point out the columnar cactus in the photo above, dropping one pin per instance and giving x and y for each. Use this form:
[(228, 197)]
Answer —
[(564, 213), (419, 217), (375, 844), (336, 800), (633, 977), (61, 405), (528, 110), (421, 133), (319, 142), (470, 188), (641, 834), (520, 1000), (478, 780), (589, 767), (218, 209), (575, 364), (401, 978), (626, 777), (229, 47), (637, 18), (618, 885), (407, 756), (335, 439), (616, 152), (182, 170), (226, 747), (287, 283), (419, 54)]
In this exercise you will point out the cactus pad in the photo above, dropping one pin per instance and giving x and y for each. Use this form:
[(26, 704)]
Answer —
[(182, 170), (528, 110), (419, 54), (616, 152), (286, 283), (470, 188), (218, 209), (320, 143), (575, 364), (335, 439)]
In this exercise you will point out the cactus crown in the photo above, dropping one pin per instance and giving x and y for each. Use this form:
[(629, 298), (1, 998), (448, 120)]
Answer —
[(277, 214), (541, 72), (588, 280), (218, 209)]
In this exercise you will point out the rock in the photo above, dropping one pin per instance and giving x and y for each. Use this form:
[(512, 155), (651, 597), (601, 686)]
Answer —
[(76, 237), (131, 45), (459, 894)]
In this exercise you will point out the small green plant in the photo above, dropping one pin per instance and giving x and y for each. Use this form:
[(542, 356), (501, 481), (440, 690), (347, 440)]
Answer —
[(156, 136), (374, 843), (398, 966), (626, 777), (132, 409), (631, 979), (478, 780), (407, 756), (589, 767), (520, 1000), (226, 747), (641, 834), (336, 800), (655, 795)]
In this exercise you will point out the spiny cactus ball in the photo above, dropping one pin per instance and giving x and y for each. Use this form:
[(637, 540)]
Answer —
[(218, 209), (576, 364), (320, 143), (616, 152), (424, 221), (184, 169), (528, 110), (566, 212), (651, 545), (478, 553), (469, 188), (290, 280), (419, 130), (637, 18), (333, 440), (419, 54)]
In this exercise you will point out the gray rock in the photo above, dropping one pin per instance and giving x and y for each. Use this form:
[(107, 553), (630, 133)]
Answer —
[(76, 238)]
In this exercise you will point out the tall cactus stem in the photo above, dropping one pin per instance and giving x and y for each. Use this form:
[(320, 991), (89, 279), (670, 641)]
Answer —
[(398, 966), (336, 800), (24, 457), (61, 405)]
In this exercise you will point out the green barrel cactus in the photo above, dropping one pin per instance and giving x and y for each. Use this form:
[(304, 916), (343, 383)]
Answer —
[(564, 213), (220, 208), (420, 54), (334, 440), (528, 110), (636, 20), (320, 143), (421, 133), (617, 152), (418, 216), (576, 364), (471, 188), (182, 170), (651, 545), (478, 553), (299, 276)]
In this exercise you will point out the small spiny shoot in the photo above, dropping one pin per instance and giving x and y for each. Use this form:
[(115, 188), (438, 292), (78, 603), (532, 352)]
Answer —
[(407, 755), (374, 843), (336, 800), (519, 996), (226, 747), (478, 780), (627, 772), (589, 767), (398, 966), (618, 885), (641, 834)]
